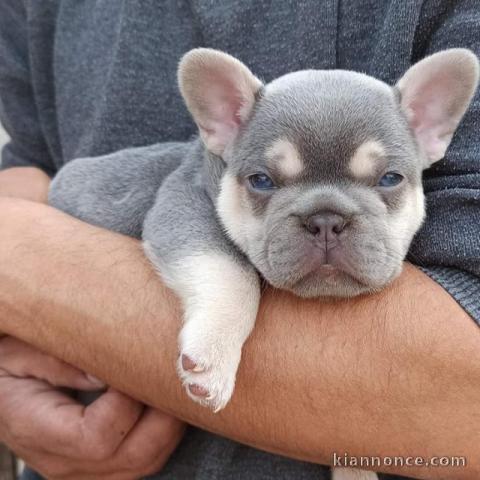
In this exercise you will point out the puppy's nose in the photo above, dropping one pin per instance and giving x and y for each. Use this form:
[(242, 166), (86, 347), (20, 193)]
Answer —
[(326, 225)]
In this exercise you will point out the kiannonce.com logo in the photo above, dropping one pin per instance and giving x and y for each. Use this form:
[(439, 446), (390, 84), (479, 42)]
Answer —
[(350, 461)]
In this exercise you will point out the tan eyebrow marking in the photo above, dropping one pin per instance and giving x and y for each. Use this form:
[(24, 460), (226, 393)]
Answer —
[(284, 156), (365, 159)]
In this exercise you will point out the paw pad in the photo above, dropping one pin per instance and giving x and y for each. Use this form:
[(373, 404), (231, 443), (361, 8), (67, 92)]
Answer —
[(198, 391), (189, 365)]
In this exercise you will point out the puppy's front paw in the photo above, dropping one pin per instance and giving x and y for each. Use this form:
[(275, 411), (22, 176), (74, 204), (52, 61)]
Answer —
[(208, 364)]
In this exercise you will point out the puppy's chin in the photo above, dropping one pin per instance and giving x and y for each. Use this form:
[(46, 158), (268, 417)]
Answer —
[(329, 281), (335, 284)]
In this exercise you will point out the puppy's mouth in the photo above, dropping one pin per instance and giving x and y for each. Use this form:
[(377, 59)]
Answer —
[(313, 277), (332, 264), (335, 279), (331, 274), (314, 267)]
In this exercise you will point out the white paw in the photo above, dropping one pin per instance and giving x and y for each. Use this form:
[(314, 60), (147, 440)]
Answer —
[(207, 365)]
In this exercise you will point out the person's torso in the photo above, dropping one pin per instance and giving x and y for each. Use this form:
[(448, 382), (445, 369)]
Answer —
[(105, 75)]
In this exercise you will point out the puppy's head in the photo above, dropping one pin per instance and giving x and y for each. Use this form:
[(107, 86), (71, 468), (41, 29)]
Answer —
[(322, 186)]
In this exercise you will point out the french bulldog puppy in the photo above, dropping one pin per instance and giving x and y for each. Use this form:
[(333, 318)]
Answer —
[(312, 182)]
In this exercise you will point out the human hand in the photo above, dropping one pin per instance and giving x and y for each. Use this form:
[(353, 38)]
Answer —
[(115, 437)]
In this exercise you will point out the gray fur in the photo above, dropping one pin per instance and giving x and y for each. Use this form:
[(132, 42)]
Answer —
[(182, 221), (327, 115), (116, 191)]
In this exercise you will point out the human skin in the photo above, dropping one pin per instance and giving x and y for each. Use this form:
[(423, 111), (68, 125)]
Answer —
[(29, 183), (115, 437), (395, 373)]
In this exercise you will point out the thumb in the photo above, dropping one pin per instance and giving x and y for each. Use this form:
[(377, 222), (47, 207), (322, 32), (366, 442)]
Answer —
[(22, 360)]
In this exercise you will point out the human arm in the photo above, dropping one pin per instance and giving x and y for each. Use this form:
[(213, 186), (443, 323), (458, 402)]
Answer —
[(27, 183), (115, 437), (394, 374)]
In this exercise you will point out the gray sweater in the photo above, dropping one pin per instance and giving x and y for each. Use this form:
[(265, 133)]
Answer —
[(83, 78)]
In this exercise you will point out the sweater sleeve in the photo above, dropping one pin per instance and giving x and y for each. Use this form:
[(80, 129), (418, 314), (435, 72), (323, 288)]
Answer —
[(18, 113), (447, 248)]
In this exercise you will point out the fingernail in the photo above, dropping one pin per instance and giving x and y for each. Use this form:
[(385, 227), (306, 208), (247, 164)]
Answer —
[(95, 381)]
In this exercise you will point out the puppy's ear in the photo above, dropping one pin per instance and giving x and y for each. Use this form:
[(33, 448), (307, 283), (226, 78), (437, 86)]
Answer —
[(435, 93), (219, 91)]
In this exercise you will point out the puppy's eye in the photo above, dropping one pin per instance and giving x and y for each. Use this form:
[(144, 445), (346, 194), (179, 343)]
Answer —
[(260, 181), (390, 179)]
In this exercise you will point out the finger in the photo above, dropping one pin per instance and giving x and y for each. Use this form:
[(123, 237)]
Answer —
[(144, 451), (26, 407), (54, 447), (108, 420), (91, 433), (22, 360), (150, 443), (55, 467), (39, 418), (51, 466)]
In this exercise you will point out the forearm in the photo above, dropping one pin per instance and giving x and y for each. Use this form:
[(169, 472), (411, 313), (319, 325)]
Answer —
[(27, 183), (392, 374)]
